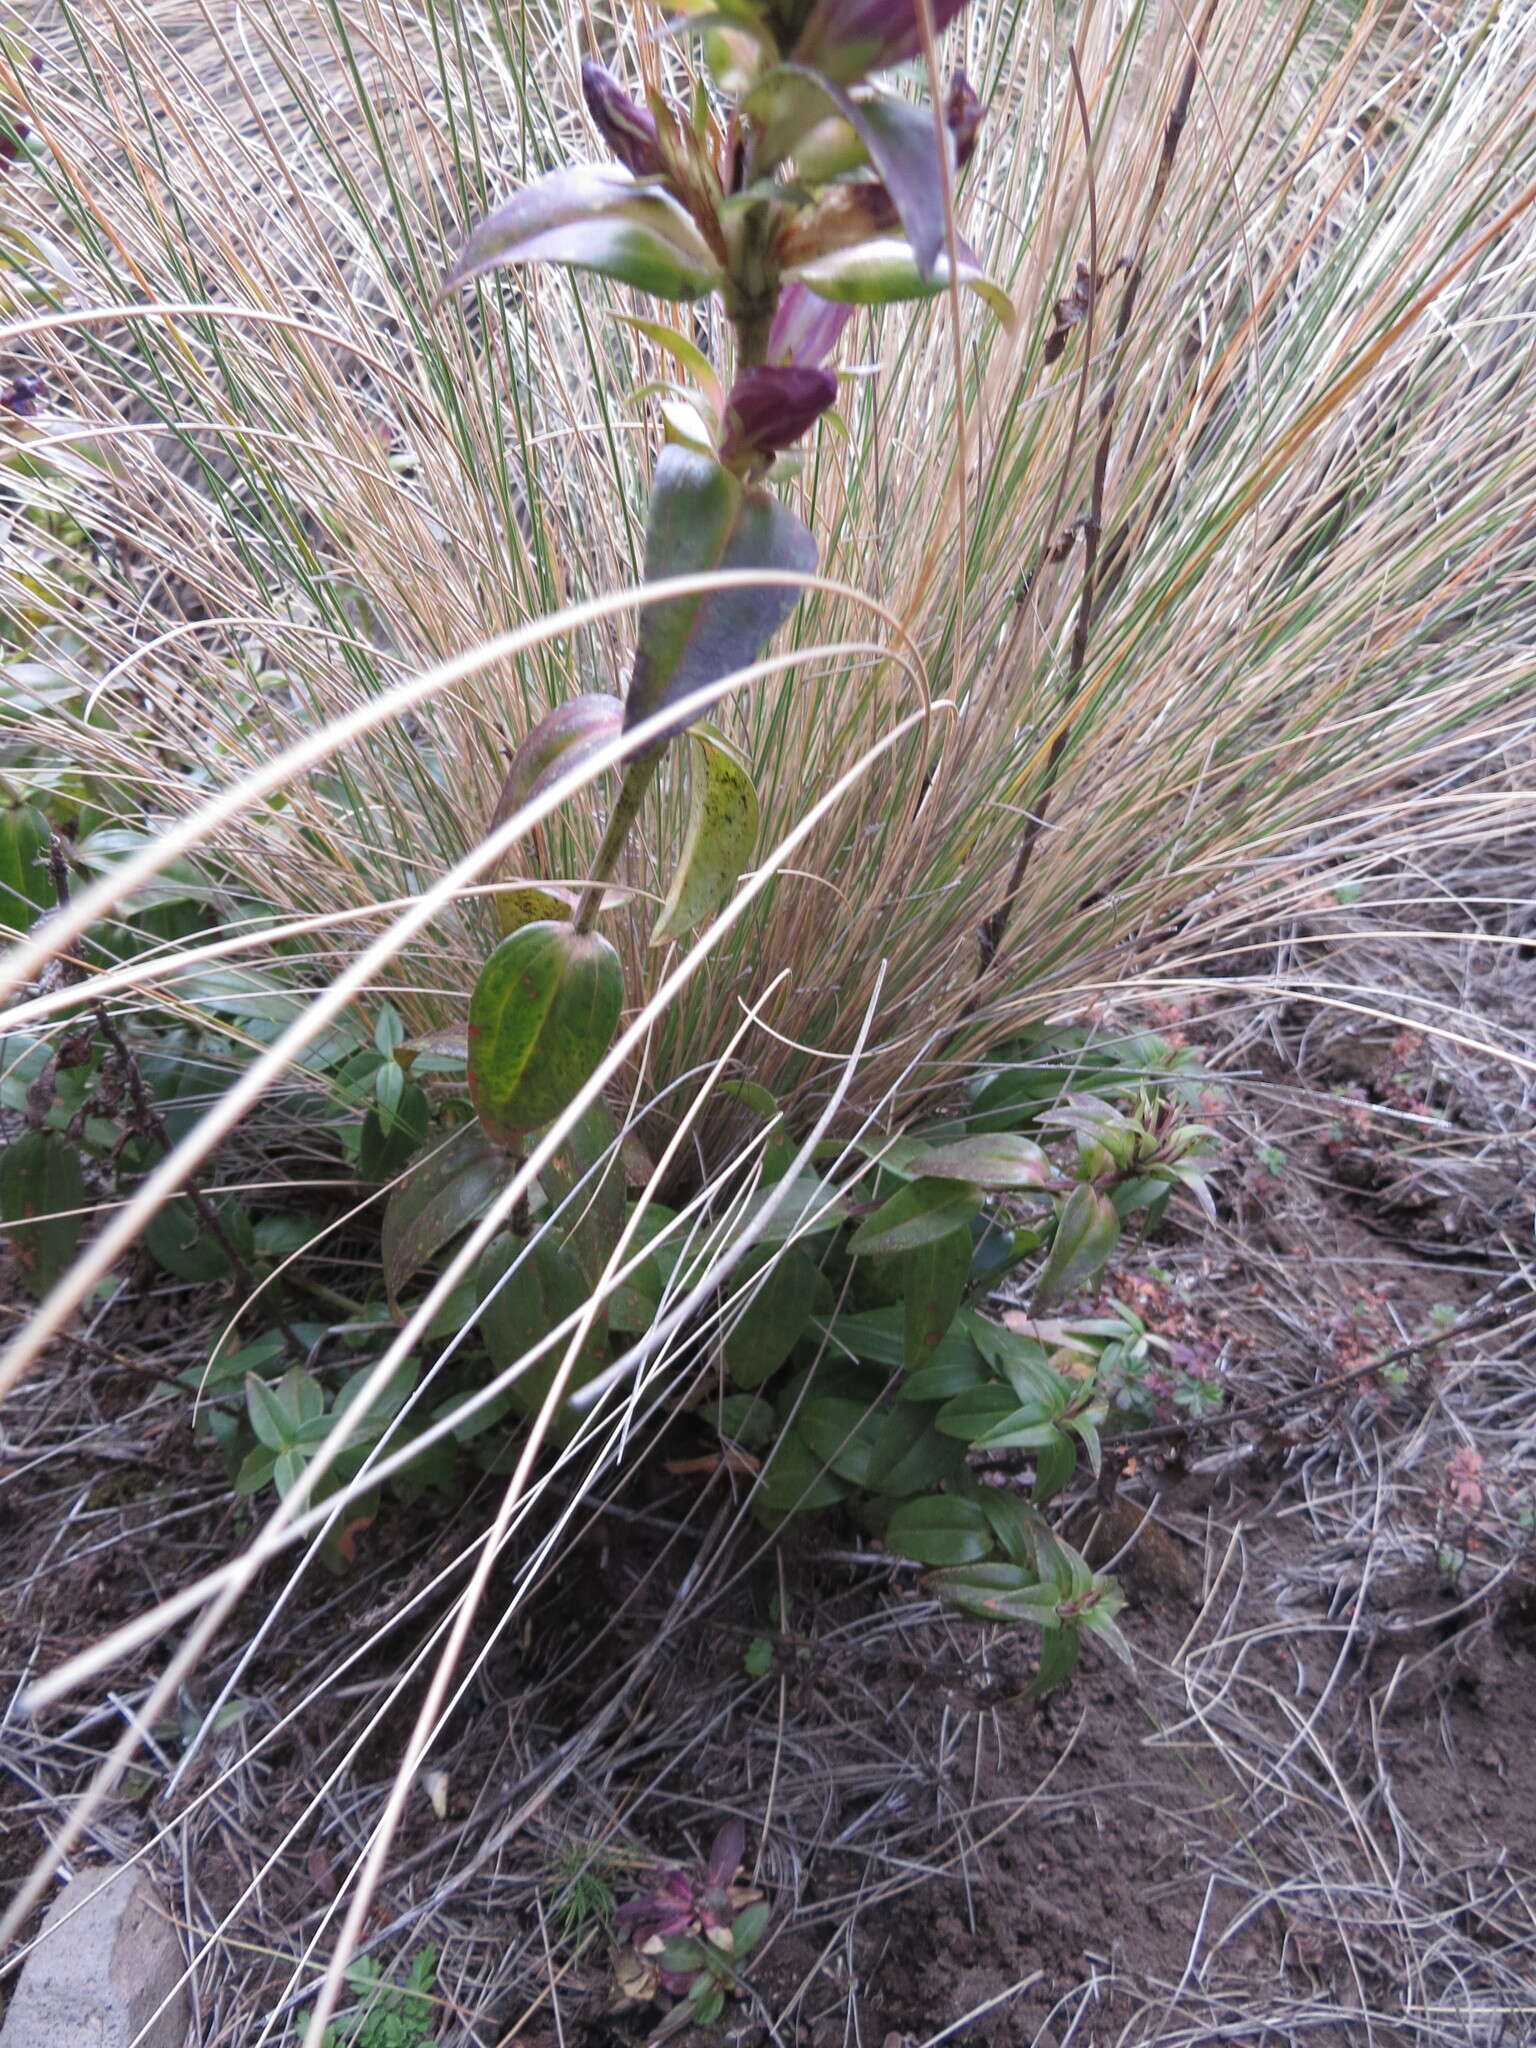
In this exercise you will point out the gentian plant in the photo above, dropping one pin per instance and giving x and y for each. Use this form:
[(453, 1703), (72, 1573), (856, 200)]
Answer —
[(687, 1935), (796, 193)]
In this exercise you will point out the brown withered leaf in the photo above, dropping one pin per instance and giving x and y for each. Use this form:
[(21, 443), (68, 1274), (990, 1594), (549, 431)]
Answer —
[(844, 216), (1071, 310)]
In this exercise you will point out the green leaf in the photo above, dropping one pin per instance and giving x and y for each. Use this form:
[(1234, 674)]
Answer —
[(1015, 1524), (758, 1661), (794, 1207), (958, 1371), (794, 1481), (288, 1470), (908, 1455), (709, 2004), (546, 1287), (999, 1592), (939, 1529), (542, 1015), (934, 1277), (688, 356), (701, 518), (256, 1470), (177, 1240), (391, 1136), (881, 273), (840, 1433), (1100, 1621), (278, 1410), (747, 1420), (590, 1223), (721, 836), (593, 217), (1055, 1463), (879, 1337), (1003, 1161), (1087, 1232), (26, 887), (1023, 1361), (776, 1317), (440, 1196), (915, 1215), (42, 1203), (748, 1929), (1059, 1651), (970, 1415)]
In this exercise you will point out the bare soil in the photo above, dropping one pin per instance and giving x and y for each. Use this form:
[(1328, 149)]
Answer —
[(1306, 1816)]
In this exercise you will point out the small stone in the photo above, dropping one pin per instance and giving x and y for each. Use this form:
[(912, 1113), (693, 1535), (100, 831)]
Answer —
[(106, 1971)]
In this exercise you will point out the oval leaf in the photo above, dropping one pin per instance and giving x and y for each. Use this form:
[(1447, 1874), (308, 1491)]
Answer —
[(559, 742), (1004, 1161), (589, 1160), (721, 836), (438, 1198), (546, 1288), (702, 517), (1087, 1232), (776, 1318), (26, 888), (917, 1214), (939, 1529), (593, 217), (882, 272), (542, 1015), (42, 1204)]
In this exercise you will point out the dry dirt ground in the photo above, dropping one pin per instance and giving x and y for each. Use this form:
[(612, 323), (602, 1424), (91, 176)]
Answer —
[(1307, 1816)]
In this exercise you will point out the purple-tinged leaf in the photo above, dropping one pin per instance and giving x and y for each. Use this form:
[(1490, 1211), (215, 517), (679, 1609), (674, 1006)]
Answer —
[(726, 1852), (847, 39), (448, 1190), (593, 217), (1087, 1232), (881, 273), (702, 518), (559, 742), (903, 146)]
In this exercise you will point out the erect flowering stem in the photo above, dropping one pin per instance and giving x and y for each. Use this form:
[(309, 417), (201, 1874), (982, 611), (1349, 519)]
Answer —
[(638, 776)]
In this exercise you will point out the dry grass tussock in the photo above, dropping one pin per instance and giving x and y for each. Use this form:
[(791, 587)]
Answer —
[(309, 503)]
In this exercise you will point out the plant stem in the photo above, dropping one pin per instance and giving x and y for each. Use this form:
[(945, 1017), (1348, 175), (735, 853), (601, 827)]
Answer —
[(637, 780)]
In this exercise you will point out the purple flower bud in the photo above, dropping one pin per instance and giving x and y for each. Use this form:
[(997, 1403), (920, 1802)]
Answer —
[(627, 128), (963, 116), (23, 396), (806, 328), (770, 407), (847, 39)]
